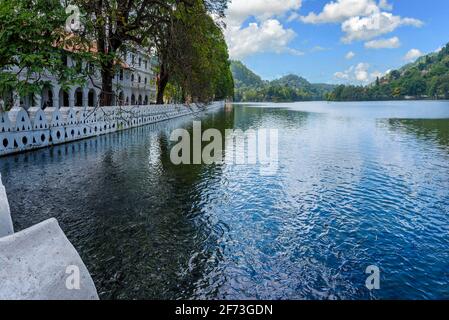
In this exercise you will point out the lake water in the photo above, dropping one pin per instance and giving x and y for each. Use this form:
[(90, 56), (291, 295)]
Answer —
[(358, 184)]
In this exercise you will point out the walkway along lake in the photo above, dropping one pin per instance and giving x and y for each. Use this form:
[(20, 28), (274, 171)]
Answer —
[(358, 184)]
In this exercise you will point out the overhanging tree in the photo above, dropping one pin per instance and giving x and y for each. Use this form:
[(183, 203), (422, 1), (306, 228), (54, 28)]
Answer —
[(32, 45), (192, 53), (116, 24)]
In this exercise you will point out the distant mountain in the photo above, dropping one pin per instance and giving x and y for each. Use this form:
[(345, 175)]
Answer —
[(317, 90), (249, 87), (292, 81), (426, 78), (243, 77)]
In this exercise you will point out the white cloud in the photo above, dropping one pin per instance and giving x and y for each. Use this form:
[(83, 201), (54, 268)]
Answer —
[(239, 10), (359, 73), (350, 55), (366, 28), (383, 43), (383, 4), (318, 49), (341, 10), (412, 55), (267, 34), (342, 75), (361, 20), (293, 16)]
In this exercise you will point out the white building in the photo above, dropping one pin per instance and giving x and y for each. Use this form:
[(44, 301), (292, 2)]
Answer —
[(133, 84)]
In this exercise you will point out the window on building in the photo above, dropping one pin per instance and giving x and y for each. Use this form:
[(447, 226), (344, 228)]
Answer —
[(121, 74), (132, 77), (139, 79), (145, 80), (140, 62), (132, 59)]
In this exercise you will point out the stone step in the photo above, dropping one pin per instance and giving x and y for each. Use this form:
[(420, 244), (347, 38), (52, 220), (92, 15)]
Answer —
[(6, 227), (40, 263)]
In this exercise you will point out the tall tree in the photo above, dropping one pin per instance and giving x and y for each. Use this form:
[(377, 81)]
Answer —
[(192, 52), (32, 45), (117, 24)]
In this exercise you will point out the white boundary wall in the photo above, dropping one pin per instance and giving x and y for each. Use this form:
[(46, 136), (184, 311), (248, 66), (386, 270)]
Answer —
[(37, 264), (6, 227), (22, 130)]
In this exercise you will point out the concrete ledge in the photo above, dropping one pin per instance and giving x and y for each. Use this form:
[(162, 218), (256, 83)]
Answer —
[(23, 130), (6, 227), (36, 263)]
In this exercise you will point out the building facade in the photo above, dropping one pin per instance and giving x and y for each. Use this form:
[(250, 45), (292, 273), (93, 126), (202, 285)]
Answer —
[(134, 84)]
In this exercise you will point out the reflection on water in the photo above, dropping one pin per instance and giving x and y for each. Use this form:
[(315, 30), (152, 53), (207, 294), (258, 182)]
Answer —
[(358, 184), (425, 129)]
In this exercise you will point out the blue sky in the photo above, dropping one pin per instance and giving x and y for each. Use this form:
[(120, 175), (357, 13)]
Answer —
[(339, 41)]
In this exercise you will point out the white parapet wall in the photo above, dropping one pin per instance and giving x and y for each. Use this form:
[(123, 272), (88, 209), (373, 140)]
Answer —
[(40, 263), (22, 130), (6, 227)]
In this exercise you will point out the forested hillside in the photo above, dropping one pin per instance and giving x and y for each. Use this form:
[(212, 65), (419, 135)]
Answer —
[(243, 77), (250, 87), (427, 78)]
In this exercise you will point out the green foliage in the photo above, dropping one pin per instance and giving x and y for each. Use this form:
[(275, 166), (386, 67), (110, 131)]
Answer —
[(202, 73), (427, 78), (33, 43), (249, 87), (32, 40), (243, 77)]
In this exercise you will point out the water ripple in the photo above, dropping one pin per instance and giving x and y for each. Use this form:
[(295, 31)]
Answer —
[(356, 186)]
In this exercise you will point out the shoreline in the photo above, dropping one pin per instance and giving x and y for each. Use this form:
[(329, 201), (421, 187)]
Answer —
[(341, 101), (26, 130)]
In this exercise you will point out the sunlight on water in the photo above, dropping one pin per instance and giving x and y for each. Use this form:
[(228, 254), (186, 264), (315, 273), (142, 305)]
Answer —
[(358, 184)]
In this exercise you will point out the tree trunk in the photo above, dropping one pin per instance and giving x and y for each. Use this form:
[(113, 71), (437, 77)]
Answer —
[(107, 76), (108, 44), (162, 84), (183, 96)]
